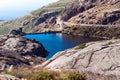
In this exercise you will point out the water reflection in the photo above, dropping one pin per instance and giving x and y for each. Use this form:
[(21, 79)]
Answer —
[(58, 42)]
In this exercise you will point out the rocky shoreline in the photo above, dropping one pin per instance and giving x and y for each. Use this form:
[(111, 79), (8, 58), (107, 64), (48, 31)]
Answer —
[(98, 60), (93, 31), (46, 32), (100, 57), (18, 51)]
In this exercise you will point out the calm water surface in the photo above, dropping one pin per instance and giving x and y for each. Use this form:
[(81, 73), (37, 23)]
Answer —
[(54, 43)]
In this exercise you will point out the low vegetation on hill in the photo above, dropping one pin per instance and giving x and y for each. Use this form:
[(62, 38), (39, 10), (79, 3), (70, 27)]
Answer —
[(74, 11), (35, 74), (28, 21)]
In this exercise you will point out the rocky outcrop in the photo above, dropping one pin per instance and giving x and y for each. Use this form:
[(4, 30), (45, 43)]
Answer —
[(88, 12), (19, 51), (80, 6), (110, 18), (8, 77), (75, 8), (25, 46), (18, 31), (100, 57), (92, 30), (46, 16)]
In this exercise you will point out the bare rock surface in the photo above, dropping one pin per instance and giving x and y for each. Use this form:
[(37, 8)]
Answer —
[(19, 51), (8, 77), (97, 57)]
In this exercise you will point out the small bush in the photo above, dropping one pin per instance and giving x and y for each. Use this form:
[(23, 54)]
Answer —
[(109, 43), (76, 76), (43, 75), (20, 73), (82, 46)]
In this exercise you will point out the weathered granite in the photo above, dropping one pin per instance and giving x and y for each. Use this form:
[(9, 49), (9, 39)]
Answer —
[(19, 51), (97, 57)]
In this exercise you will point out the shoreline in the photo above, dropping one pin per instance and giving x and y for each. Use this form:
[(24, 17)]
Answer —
[(92, 36), (44, 32), (81, 35)]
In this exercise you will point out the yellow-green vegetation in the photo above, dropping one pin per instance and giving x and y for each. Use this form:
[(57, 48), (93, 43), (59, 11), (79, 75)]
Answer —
[(71, 29), (81, 46), (59, 5), (36, 74), (32, 17), (109, 43), (75, 76), (3, 30)]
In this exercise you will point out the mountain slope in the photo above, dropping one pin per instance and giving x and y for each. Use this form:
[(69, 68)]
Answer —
[(102, 13), (28, 21), (74, 11), (93, 18)]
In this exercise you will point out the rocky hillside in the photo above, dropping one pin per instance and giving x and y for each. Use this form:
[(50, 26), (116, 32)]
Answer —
[(30, 21), (101, 57), (18, 51), (74, 11), (94, 12)]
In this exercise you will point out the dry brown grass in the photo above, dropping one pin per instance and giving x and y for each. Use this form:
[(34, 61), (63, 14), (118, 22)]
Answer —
[(36, 74)]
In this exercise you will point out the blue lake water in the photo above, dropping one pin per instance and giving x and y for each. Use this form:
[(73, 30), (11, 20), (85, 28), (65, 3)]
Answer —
[(54, 43)]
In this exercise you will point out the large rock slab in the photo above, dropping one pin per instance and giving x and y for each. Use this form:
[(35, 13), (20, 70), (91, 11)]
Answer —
[(25, 46), (97, 57)]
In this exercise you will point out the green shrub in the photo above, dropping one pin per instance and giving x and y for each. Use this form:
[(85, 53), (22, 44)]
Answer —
[(76, 76), (109, 43), (44, 75), (20, 73), (17, 74), (81, 46), (36, 74)]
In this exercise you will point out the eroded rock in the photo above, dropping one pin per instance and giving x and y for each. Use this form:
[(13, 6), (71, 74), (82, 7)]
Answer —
[(44, 17), (100, 57), (19, 51)]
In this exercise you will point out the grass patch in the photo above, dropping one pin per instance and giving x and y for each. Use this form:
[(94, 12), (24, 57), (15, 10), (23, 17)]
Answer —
[(35, 74), (81, 46), (109, 43), (76, 76)]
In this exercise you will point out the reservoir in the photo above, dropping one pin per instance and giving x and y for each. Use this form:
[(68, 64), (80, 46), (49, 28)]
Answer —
[(54, 43)]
